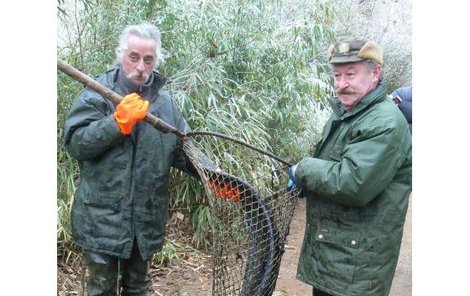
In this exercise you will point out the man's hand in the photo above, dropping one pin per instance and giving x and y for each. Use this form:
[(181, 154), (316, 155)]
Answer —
[(292, 184), (131, 110)]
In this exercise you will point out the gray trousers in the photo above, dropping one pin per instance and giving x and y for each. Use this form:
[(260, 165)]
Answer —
[(110, 276)]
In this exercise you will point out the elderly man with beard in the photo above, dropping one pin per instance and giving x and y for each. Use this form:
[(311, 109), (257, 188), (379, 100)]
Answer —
[(120, 206), (357, 183)]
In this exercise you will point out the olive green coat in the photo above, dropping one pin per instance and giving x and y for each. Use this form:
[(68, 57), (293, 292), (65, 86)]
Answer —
[(357, 187), (123, 189)]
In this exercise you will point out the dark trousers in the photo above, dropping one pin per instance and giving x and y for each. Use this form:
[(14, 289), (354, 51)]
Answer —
[(110, 276), (317, 292)]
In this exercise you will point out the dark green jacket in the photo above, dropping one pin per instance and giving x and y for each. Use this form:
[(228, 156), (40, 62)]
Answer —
[(357, 187), (123, 190)]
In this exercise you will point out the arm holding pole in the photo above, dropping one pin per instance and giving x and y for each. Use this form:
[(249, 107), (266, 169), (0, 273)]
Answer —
[(114, 97)]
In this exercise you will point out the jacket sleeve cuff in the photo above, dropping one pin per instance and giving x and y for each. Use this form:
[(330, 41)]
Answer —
[(309, 172)]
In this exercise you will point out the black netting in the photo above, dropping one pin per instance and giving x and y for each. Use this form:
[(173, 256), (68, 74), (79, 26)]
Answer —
[(251, 211)]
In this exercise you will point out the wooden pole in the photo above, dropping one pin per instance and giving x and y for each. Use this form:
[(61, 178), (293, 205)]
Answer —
[(150, 118)]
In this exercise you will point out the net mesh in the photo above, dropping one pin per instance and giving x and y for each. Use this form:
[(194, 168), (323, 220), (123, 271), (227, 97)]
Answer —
[(251, 211)]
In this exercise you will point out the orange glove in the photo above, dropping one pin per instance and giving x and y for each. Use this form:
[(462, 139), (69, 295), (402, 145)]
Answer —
[(131, 110), (225, 190)]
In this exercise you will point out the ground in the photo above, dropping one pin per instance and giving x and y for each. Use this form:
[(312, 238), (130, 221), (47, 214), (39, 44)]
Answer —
[(190, 275)]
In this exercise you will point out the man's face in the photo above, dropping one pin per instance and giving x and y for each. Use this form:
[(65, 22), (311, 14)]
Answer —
[(139, 58), (352, 81)]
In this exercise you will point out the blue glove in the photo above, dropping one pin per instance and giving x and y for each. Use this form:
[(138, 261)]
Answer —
[(292, 184)]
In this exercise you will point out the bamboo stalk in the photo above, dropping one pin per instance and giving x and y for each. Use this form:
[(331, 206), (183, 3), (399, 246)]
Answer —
[(114, 97)]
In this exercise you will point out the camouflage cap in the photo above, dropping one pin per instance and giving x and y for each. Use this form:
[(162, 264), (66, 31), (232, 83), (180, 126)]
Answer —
[(350, 51)]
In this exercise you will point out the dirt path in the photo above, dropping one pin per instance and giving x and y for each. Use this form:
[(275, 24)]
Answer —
[(287, 282), (402, 284)]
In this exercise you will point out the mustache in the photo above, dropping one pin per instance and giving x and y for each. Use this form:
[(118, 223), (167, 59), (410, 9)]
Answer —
[(139, 76), (345, 91)]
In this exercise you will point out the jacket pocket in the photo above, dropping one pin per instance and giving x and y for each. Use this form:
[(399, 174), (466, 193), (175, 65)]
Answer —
[(336, 236), (100, 218), (108, 201), (337, 252)]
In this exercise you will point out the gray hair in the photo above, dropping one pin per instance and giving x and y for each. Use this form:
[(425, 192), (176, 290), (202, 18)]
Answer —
[(143, 30), (372, 65)]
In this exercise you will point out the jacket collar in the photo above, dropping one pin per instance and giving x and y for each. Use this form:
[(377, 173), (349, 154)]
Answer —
[(376, 95)]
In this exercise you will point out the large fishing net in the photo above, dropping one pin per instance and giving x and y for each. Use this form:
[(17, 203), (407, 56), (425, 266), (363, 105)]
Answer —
[(251, 210)]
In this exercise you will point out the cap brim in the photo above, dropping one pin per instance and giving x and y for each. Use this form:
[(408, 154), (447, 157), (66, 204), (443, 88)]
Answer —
[(345, 59)]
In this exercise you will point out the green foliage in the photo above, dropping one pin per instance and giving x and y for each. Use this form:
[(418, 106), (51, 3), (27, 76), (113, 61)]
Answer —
[(67, 168), (174, 251), (201, 221), (238, 66), (167, 254), (251, 69)]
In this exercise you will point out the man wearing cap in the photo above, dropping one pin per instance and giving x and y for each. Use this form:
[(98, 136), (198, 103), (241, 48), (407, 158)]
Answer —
[(357, 183)]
